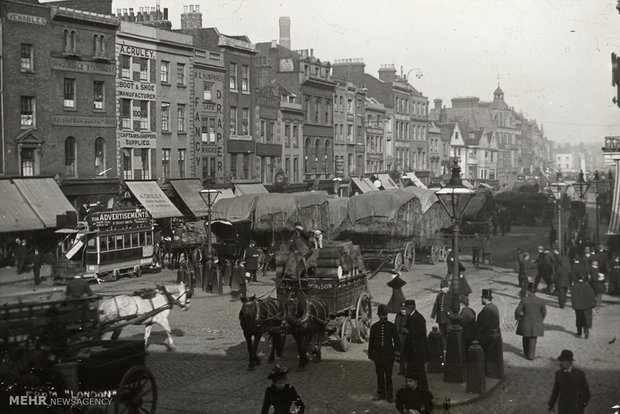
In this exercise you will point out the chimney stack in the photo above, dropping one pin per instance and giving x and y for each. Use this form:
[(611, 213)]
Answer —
[(274, 44), (438, 103), (191, 18), (387, 73), (285, 31)]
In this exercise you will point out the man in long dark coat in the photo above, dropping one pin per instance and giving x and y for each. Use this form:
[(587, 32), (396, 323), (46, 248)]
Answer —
[(530, 314), (562, 278), (578, 269), (614, 275), (467, 322), (383, 343), (441, 311), (487, 322), (251, 260), (582, 297), (544, 267), (570, 387), (416, 345)]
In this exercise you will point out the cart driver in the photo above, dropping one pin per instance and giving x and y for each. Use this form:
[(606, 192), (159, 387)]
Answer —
[(301, 240), (78, 287)]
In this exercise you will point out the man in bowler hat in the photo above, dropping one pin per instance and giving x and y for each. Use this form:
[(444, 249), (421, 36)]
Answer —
[(530, 314), (570, 388), (383, 344), (416, 343), (487, 322), (583, 300)]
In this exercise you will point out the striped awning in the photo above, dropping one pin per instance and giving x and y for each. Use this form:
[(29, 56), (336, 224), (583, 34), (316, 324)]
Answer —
[(614, 221)]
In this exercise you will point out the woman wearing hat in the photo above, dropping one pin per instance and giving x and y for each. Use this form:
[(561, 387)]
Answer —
[(396, 283), (250, 255), (570, 388), (280, 395)]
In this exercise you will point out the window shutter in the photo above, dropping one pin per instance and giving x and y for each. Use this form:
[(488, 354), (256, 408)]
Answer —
[(154, 114)]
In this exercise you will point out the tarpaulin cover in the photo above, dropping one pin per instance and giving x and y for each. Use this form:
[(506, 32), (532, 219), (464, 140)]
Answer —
[(45, 197), (275, 203), (386, 181), (480, 206), (337, 213), (378, 204), (427, 197), (244, 189), (235, 209), (309, 198)]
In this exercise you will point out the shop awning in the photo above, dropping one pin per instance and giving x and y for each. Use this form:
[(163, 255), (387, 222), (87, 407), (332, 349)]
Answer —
[(45, 198), (15, 213), (153, 199), (361, 185), (189, 191), (370, 184), (415, 180), (467, 184), (241, 189), (386, 181)]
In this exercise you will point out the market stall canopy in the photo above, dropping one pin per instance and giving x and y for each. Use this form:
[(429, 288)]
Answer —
[(386, 181), (276, 203), (235, 209), (17, 215), (415, 180), (153, 199), (309, 198), (189, 191), (614, 219), (467, 184), (363, 186), (377, 204), (427, 197), (44, 197), (244, 189), (225, 193)]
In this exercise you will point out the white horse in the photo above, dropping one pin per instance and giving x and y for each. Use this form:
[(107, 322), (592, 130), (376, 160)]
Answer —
[(153, 308)]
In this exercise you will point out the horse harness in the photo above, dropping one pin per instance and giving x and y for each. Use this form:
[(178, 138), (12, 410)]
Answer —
[(307, 314)]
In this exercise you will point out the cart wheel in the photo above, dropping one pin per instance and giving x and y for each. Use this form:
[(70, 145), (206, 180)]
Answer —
[(435, 254), (398, 261), (363, 318), (137, 392), (409, 256), (346, 331)]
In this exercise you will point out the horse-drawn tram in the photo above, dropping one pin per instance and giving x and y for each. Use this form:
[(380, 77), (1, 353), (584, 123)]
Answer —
[(53, 362)]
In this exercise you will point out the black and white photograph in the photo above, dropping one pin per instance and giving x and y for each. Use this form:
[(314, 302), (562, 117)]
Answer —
[(309, 207)]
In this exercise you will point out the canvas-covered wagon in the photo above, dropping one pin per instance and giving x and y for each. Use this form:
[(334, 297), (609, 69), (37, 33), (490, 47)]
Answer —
[(232, 226), (389, 225)]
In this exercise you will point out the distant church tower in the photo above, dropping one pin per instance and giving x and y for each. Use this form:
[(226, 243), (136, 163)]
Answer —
[(191, 18)]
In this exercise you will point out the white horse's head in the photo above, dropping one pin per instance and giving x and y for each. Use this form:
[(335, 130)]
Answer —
[(177, 295)]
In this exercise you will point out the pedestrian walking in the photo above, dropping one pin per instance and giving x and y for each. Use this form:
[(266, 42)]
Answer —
[(597, 282), (544, 269), (578, 270), (401, 328), (21, 256), (78, 287), (570, 387), (467, 322), (397, 298), (280, 395), (582, 297), (521, 265), (238, 280), (250, 255), (383, 343), (487, 321), (36, 258), (562, 278), (413, 397), (530, 314), (475, 254), (416, 343), (441, 312)]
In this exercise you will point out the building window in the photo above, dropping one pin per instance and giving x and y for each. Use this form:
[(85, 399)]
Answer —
[(165, 162), (272, 132), (145, 125), (165, 116), (27, 162), (245, 78), (180, 74), (126, 113), (125, 66), (145, 163), (232, 73), (27, 111), (328, 109), (295, 169), (143, 68), (127, 169), (246, 166), (70, 41), (245, 121), (181, 118), (27, 58), (100, 156), (70, 157), (287, 137), (263, 130), (233, 120), (69, 93), (98, 95), (233, 165), (182, 163), (206, 93), (164, 72), (317, 103), (295, 136)]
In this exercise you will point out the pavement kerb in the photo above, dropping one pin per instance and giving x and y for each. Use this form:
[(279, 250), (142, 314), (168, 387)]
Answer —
[(479, 397)]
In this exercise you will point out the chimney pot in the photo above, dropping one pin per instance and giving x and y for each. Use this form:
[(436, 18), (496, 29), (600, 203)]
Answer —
[(125, 12), (185, 8), (197, 8), (165, 13)]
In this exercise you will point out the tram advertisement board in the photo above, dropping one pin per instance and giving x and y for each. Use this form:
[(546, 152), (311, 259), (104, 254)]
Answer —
[(118, 219)]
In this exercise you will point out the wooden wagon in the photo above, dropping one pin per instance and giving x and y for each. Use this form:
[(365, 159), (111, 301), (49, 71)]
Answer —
[(49, 351)]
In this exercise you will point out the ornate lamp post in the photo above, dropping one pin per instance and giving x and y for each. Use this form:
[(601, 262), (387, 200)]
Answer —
[(209, 196), (582, 186), (455, 198), (557, 189)]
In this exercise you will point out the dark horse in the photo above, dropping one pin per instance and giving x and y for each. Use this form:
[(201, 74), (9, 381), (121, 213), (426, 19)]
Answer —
[(258, 316), (307, 319)]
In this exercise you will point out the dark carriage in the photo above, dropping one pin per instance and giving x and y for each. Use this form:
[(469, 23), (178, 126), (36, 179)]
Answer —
[(336, 275), (51, 349)]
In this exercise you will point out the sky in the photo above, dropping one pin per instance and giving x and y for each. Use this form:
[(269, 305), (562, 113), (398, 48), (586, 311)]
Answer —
[(552, 58)]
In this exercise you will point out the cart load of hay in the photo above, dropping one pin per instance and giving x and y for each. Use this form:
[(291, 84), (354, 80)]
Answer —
[(480, 206), (278, 212), (337, 216)]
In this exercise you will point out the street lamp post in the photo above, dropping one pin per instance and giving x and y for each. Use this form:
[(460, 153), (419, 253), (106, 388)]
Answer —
[(597, 188), (557, 195), (455, 198), (209, 196)]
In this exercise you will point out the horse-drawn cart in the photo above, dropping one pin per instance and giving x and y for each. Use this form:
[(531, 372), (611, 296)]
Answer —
[(50, 350)]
